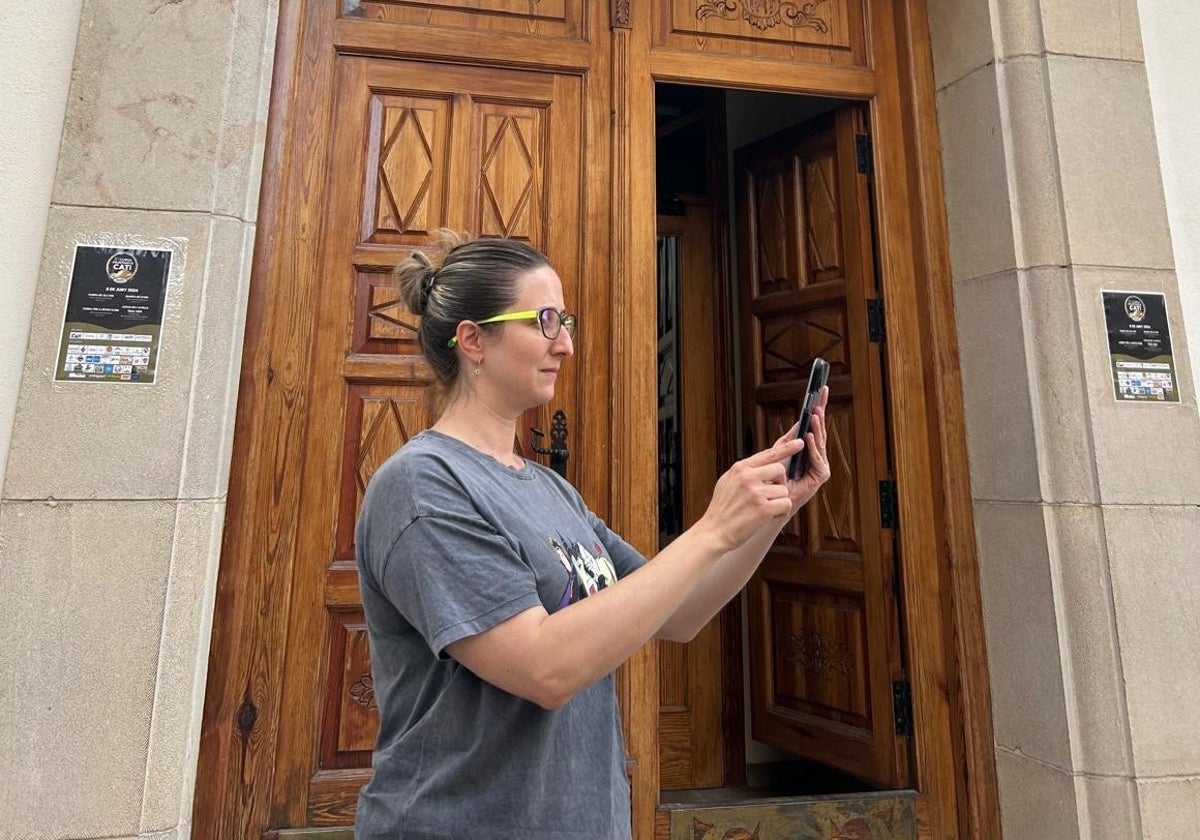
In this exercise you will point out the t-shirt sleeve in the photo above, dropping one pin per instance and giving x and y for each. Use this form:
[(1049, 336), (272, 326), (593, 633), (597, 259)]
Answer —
[(455, 576), (625, 558)]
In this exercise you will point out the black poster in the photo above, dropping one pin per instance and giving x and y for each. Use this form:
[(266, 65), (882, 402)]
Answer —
[(114, 315), (1139, 347)]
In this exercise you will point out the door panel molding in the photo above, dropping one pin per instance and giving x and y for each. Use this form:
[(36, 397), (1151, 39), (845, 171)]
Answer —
[(462, 45), (742, 72), (634, 387)]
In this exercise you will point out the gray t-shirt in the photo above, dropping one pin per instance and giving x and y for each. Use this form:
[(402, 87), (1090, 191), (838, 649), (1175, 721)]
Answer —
[(451, 543)]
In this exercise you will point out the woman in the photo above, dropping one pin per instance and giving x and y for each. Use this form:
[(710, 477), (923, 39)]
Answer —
[(497, 604)]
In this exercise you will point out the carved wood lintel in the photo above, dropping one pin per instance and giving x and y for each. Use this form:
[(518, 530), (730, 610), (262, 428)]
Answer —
[(767, 14)]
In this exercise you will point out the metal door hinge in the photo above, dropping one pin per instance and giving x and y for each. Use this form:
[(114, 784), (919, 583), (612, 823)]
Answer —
[(902, 706), (863, 153), (875, 328), (889, 505)]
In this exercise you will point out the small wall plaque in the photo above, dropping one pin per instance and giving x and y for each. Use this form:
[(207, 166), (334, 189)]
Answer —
[(114, 314), (1139, 347)]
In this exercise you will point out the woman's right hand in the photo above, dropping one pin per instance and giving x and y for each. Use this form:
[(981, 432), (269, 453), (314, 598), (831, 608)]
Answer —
[(749, 495)]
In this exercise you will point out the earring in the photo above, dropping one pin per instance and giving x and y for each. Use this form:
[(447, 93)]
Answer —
[(478, 369)]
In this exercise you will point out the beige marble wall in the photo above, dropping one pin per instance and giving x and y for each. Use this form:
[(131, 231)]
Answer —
[(113, 500), (1087, 511)]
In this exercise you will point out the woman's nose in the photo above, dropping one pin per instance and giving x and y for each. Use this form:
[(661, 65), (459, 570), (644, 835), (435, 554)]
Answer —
[(563, 344)]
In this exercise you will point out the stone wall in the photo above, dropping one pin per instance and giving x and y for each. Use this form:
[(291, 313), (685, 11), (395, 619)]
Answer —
[(1087, 512), (113, 501)]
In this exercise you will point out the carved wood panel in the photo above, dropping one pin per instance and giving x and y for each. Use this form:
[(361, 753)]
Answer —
[(351, 716), (835, 514), (513, 144), (380, 418), (819, 665), (408, 162), (818, 31), (382, 324), (545, 18), (822, 226), (790, 340)]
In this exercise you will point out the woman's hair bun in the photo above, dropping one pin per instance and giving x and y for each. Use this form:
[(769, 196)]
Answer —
[(416, 275)]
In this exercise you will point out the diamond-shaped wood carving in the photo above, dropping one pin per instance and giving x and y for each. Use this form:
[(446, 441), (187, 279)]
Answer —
[(789, 344), (408, 147), (380, 418), (405, 170), (837, 521), (771, 221), (387, 424), (382, 323), (507, 180), (822, 235), (388, 318), (778, 418)]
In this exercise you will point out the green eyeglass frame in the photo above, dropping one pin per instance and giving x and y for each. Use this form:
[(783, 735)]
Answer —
[(555, 324)]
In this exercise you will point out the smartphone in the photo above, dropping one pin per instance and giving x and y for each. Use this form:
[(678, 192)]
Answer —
[(817, 377)]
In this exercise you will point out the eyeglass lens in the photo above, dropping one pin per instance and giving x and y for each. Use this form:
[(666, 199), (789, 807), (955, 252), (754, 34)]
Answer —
[(552, 321)]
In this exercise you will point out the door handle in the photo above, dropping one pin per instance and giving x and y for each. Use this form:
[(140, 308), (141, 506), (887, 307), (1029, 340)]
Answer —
[(557, 450)]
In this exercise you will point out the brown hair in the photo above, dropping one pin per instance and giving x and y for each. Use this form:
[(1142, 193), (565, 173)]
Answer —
[(457, 278)]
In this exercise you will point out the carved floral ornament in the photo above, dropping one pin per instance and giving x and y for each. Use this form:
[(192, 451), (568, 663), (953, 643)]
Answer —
[(767, 14), (362, 692), (620, 14), (817, 653)]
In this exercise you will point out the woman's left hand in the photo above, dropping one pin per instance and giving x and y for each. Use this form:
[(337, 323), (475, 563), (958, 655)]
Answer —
[(807, 485)]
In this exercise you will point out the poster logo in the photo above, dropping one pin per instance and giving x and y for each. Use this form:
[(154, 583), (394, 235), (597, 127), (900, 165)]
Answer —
[(121, 267), (1135, 308)]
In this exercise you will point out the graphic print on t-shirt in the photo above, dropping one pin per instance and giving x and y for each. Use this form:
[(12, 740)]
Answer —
[(587, 571)]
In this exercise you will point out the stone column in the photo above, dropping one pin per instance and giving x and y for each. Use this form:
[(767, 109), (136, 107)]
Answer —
[(1087, 512), (113, 501)]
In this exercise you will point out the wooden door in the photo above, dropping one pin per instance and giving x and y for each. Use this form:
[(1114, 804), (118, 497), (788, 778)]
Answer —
[(824, 649), (415, 146), (380, 151)]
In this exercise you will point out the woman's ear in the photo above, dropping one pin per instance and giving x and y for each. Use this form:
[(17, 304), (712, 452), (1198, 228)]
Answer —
[(470, 339)]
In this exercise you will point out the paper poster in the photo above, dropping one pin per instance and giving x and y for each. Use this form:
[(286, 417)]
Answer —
[(114, 315), (1139, 347)]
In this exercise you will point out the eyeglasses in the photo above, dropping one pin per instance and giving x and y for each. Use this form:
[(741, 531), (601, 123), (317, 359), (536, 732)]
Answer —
[(549, 319)]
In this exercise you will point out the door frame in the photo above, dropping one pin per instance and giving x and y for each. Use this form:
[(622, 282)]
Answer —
[(945, 649), (946, 654)]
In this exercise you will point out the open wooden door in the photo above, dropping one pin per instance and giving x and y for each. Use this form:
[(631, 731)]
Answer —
[(824, 638)]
